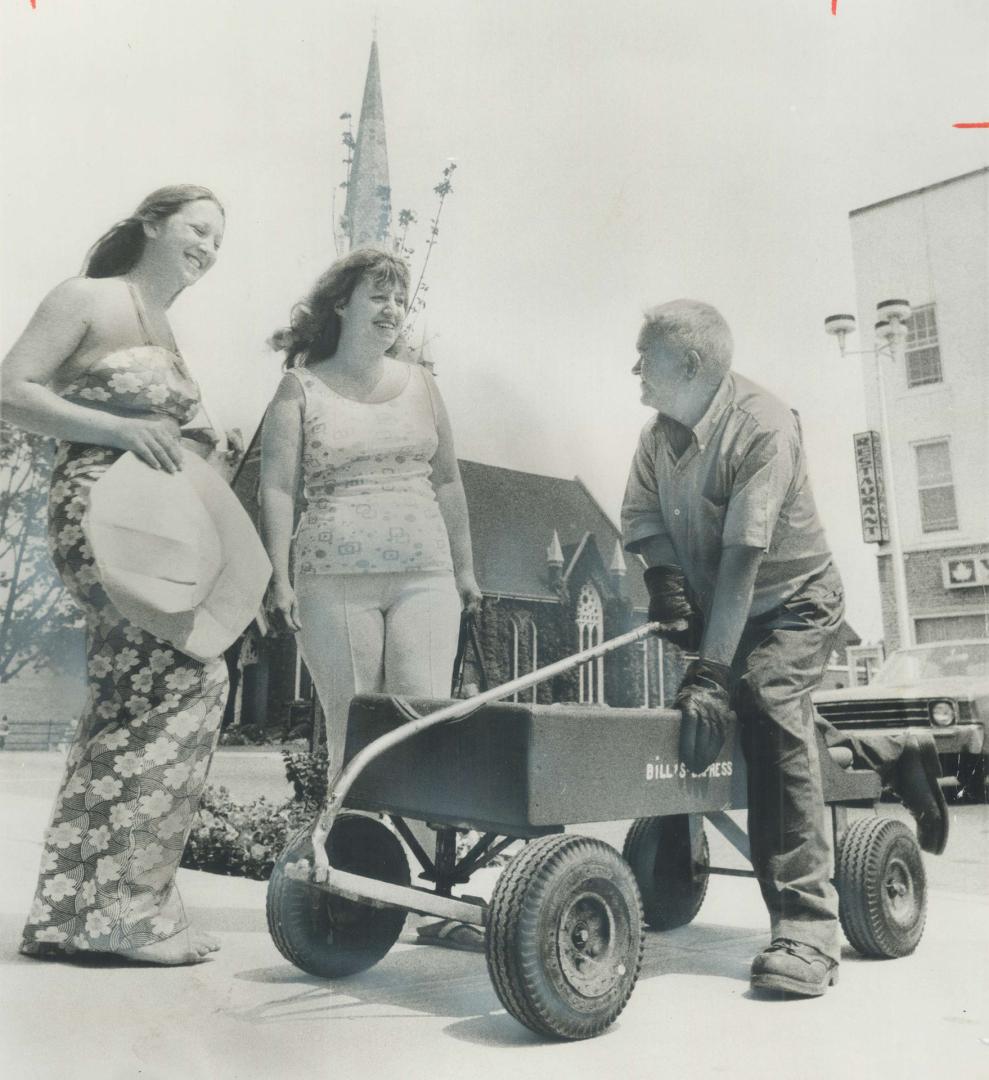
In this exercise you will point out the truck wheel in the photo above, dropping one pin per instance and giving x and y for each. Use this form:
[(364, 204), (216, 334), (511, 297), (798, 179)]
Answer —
[(328, 935), (882, 889), (564, 938), (671, 878)]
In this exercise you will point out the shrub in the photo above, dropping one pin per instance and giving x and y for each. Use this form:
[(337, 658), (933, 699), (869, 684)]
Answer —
[(254, 735), (306, 772), (232, 737), (244, 840), (241, 840)]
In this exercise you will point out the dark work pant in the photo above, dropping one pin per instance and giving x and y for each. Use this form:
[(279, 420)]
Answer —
[(780, 660), (878, 752)]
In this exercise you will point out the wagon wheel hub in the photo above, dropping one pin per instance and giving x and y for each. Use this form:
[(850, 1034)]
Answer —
[(899, 893), (586, 945)]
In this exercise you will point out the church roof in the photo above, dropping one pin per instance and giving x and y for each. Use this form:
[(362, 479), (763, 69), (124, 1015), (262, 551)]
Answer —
[(367, 214), (513, 516)]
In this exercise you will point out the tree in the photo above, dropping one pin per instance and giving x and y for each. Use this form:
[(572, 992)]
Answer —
[(36, 612)]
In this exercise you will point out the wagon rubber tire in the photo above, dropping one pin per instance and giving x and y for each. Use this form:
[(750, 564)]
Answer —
[(564, 938), (658, 851), (882, 888), (327, 935)]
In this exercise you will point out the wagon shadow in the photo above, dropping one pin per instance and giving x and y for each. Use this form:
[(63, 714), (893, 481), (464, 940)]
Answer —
[(710, 949), (419, 981)]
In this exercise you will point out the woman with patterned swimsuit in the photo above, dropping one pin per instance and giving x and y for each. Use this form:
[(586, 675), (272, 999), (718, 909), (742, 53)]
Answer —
[(88, 371)]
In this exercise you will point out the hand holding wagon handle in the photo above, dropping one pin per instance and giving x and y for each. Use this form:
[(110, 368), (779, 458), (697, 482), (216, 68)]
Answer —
[(670, 606)]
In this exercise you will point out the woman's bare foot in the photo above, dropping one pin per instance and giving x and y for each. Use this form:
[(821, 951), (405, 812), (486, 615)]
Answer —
[(189, 947)]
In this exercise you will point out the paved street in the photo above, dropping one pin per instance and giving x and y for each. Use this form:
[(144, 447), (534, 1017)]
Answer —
[(425, 1012)]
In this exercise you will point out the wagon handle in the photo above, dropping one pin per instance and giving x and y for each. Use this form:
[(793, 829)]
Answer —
[(344, 779)]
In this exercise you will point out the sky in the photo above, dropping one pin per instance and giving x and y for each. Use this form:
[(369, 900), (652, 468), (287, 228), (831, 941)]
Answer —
[(610, 154)]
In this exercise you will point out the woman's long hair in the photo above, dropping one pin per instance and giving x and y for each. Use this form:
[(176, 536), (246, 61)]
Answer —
[(120, 248), (314, 330)]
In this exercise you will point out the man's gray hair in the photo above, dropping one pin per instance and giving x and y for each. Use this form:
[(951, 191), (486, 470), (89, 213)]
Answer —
[(690, 324)]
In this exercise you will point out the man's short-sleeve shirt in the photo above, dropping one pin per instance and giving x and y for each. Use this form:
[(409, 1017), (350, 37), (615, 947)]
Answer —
[(741, 481)]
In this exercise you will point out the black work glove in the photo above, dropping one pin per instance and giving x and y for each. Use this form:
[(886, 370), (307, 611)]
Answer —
[(705, 710), (669, 603), (689, 639)]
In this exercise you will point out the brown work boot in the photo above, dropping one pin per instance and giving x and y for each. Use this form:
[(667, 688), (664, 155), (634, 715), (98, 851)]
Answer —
[(914, 781), (790, 967)]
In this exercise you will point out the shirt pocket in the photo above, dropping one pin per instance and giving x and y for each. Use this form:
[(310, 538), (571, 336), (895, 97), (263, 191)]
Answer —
[(709, 519)]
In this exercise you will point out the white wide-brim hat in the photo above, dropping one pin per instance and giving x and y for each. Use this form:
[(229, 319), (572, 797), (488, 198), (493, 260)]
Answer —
[(177, 553)]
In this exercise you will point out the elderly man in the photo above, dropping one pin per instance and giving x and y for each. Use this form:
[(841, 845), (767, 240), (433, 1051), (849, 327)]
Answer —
[(738, 569)]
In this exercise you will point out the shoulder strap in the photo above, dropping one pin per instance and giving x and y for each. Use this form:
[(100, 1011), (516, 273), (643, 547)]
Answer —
[(141, 315), (302, 377), (142, 318), (430, 389)]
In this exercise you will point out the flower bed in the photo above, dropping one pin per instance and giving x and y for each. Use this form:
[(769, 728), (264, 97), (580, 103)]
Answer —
[(245, 839), (241, 840)]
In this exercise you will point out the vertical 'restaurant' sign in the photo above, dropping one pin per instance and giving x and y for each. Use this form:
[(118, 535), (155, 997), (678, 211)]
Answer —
[(872, 491)]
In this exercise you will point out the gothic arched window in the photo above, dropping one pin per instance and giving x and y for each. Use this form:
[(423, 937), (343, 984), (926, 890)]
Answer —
[(590, 632)]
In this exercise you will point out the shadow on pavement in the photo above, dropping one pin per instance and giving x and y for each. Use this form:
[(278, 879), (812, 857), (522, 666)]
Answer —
[(420, 981), (228, 919)]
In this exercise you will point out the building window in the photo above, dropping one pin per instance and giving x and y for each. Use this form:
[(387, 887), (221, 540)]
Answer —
[(952, 627), (863, 662), (922, 351), (935, 486), (590, 632), (525, 654)]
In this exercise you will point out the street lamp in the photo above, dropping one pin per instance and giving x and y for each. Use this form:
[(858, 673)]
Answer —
[(891, 331)]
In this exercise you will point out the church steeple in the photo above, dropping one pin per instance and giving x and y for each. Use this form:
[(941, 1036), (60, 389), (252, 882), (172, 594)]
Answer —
[(367, 214)]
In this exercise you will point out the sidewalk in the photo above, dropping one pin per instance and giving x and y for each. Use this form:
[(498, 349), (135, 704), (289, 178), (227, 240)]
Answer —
[(426, 1012)]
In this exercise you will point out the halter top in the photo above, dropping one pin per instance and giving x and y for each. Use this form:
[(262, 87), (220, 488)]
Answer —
[(141, 379), (370, 506)]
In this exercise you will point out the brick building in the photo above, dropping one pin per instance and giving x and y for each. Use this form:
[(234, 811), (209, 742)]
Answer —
[(931, 247)]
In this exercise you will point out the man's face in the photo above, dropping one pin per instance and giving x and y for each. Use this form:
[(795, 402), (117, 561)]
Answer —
[(659, 368)]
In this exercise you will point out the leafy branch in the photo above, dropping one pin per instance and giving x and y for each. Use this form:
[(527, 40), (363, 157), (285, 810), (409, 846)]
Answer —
[(443, 190), (347, 138), (406, 218)]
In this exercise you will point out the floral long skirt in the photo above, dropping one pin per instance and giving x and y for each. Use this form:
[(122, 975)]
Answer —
[(137, 765)]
